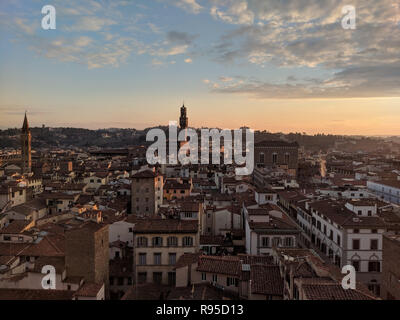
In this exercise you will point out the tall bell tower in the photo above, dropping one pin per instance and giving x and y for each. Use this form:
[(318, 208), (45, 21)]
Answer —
[(183, 119), (26, 147)]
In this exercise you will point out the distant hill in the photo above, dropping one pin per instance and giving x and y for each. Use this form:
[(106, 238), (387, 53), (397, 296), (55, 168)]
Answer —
[(117, 138)]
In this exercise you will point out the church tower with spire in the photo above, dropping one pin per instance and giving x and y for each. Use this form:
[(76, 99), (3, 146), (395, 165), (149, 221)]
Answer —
[(26, 147), (183, 119)]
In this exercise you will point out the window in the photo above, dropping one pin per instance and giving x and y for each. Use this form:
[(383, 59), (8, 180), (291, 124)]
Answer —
[(356, 231), (374, 231), (356, 265), (262, 157), (356, 244), (142, 277), (276, 241), (129, 281), (369, 213), (330, 253), (157, 242), (172, 241), (157, 277), (111, 281), (287, 158), (141, 242), (338, 240), (157, 258), (359, 212), (142, 259), (172, 258), (374, 266), (231, 281), (214, 278), (288, 242), (120, 281), (203, 276), (265, 241), (187, 241), (274, 158), (374, 244), (171, 278)]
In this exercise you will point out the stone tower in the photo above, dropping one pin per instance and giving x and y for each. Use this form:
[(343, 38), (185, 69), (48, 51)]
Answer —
[(183, 119), (26, 147)]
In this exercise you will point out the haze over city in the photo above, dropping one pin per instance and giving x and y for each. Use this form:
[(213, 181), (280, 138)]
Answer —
[(273, 65)]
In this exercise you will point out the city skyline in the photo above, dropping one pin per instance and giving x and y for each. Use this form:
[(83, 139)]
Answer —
[(281, 67)]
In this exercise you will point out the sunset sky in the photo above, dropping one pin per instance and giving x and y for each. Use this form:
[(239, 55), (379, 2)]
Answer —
[(268, 64)]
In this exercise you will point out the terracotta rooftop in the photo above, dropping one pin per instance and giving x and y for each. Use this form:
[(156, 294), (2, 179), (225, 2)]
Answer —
[(88, 289), (266, 280), (330, 290), (15, 227), (187, 259), (145, 174), (35, 294)]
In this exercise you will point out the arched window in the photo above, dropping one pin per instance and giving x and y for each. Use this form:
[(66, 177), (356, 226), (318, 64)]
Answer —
[(141, 242), (157, 242), (172, 241), (187, 241), (355, 261), (374, 265)]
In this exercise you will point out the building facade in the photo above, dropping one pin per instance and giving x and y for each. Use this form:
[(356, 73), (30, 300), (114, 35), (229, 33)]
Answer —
[(146, 192), (279, 154)]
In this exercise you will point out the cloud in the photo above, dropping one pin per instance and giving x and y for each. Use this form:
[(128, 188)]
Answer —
[(172, 51), (188, 60), (357, 82), (308, 34), (177, 37), (25, 26), (236, 13), (188, 5), (90, 23), (83, 41), (225, 79), (154, 28)]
